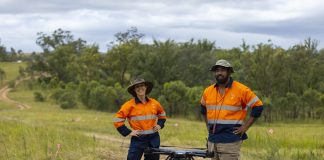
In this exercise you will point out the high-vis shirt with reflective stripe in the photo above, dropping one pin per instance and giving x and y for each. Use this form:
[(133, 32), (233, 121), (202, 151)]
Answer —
[(232, 106), (140, 116)]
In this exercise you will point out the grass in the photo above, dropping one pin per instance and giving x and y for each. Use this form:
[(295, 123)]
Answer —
[(46, 125), (11, 69), (287, 141), (21, 141), (84, 134), (5, 106)]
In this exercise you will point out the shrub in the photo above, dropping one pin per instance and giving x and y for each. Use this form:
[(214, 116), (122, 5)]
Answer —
[(68, 104), (66, 99), (39, 97), (12, 84)]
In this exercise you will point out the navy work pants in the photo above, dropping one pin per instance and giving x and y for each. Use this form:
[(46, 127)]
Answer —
[(139, 144)]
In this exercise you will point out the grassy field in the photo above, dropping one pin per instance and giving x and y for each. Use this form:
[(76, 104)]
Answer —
[(11, 69), (45, 131)]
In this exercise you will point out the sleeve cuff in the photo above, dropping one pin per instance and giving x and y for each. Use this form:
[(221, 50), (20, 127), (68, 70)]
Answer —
[(123, 130), (202, 109), (161, 122), (256, 111)]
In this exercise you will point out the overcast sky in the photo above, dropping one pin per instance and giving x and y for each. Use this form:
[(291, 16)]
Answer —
[(227, 22)]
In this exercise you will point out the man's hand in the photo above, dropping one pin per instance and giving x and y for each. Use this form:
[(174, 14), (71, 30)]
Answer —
[(156, 128), (135, 133), (240, 130)]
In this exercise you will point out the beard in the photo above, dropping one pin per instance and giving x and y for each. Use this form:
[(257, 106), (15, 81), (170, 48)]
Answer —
[(221, 79)]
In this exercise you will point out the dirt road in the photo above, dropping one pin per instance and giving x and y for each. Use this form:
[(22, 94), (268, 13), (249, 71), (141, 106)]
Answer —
[(4, 97)]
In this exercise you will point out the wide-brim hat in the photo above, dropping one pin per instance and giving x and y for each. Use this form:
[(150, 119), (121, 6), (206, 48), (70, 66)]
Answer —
[(131, 87), (222, 63)]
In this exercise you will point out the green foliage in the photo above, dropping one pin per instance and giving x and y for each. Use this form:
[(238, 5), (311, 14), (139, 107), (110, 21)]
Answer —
[(54, 82), (181, 100), (2, 75), (12, 84), (175, 95), (11, 70), (65, 98), (68, 103), (39, 97), (99, 97), (58, 38), (193, 96), (290, 81), (9, 56), (56, 95), (21, 71)]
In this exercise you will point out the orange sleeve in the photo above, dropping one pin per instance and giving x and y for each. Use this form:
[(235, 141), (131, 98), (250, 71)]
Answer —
[(160, 111), (121, 115), (250, 99), (203, 98)]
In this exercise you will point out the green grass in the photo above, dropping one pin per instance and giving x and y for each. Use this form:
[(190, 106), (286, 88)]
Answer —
[(11, 69), (21, 141), (287, 141), (5, 106), (34, 134)]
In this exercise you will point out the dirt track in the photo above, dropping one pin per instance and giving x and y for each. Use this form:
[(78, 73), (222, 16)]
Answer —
[(4, 97)]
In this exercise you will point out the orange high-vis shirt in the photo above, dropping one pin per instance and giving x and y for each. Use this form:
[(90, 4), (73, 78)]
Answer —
[(140, 116), (230, 108)]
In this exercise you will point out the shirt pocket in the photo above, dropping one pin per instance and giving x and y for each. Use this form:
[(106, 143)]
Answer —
[(234, 100)]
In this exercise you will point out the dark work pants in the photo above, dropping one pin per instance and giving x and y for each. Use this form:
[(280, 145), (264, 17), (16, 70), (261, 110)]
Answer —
[(139, 144)]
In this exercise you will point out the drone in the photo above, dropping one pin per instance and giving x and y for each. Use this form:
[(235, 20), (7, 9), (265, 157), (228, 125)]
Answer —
[(175, 154)]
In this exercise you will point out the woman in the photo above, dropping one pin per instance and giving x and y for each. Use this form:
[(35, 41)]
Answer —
[(146, 117)]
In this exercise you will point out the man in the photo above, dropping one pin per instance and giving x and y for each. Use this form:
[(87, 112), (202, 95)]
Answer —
[(224, 106), (145, 116)]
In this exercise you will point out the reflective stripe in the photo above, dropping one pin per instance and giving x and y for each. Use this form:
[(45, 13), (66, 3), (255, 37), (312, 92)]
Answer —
[(162, 114), (230, 108), (147, 132), (255, 99), (225, 121), (135, 118), (119, 120)]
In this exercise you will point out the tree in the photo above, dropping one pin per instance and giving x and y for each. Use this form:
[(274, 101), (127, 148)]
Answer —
[(2, 75), (3, 52), (120, 54), (91, 65), (58, 38), (289, 81), (130, 36), (60, 54), (174, 93), (193, 96)]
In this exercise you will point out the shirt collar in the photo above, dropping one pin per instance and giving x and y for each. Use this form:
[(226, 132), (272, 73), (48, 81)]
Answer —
[(228, 85), (137, 100)]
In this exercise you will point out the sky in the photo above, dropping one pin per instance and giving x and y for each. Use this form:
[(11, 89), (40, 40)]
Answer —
[(227, 22)]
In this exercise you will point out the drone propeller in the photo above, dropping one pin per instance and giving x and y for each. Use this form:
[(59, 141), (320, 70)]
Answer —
[(183, 147)]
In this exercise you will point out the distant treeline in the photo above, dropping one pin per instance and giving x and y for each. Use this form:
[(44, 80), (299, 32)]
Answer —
[(289, 81), (10, 55)]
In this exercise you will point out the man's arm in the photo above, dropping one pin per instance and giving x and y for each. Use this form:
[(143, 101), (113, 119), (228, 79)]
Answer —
[(204, 114), (255, 114), (245, 127)]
